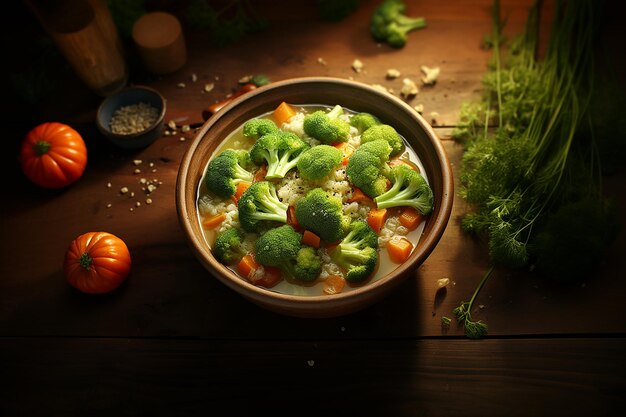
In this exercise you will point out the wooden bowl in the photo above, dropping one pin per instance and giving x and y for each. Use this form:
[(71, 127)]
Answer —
[(330, 91)]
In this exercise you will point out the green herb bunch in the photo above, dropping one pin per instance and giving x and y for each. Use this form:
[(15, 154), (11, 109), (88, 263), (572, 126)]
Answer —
[(534, 181), (226, 21)]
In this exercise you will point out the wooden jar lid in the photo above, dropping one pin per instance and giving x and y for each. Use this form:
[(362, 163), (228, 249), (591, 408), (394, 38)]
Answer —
[(160, 42)]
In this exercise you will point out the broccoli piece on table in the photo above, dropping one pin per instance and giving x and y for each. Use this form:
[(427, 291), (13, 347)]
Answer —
[(408, 188), (363, 121), (318, 162), (257, 79), (367, 167), (327, 127), (281, 247), (321, 213), (258, 205), (357, 252), (281, 151), (228, 247), (226, 170), (389, 23), (386, 133), (256, 128)]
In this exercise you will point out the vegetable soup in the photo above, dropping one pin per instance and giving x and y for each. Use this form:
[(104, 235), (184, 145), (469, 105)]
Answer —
[(313, 199)]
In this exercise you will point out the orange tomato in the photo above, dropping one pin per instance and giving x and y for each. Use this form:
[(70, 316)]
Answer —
[(53, 155), (97, 262)]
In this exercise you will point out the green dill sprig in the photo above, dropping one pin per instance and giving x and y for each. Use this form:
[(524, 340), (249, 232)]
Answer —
[(463, 313), (520, 175), (225, 25)]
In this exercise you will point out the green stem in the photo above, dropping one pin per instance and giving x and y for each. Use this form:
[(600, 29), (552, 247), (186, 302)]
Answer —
[(480, 286), (496, 53), (85, 260), (42, 147)]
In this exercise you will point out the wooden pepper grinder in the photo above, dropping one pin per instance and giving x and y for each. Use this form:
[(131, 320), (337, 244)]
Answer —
[(84, 32)]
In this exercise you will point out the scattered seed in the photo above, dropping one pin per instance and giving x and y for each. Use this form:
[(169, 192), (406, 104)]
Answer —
[(310, 362), (182, 139), (430, 74), (392, 73), (151, 164), (194, 77), (322, 61), (137, 162), (142, 180), (185, 128), (171, 124), (123, 190), (357, 65), (132, 193), (443, 282), (109, 205), (409, 88), (167, 133), (181, 85), (148, 201), (108, 185), (209, 87), (138, 203), (419, 108), (137, 171), (151, 188)]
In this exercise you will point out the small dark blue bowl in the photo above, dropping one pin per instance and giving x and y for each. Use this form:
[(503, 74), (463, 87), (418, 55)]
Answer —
[(126, 97)]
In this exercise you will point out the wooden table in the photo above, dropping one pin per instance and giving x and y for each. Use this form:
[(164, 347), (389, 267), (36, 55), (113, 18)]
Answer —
[(175, 341)]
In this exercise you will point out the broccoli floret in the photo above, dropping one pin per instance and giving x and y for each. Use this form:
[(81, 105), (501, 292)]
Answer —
[(281, 151), (386, 133), (260, 204), (306, 266), (327, 127), (408, 188), (226, 170), (367, 167), (281, 247), (228, 247), (277, 246), (318, 162), (389, 23), (321, 213), (257, 79), (357, 253), (363, 121), (256, 128)]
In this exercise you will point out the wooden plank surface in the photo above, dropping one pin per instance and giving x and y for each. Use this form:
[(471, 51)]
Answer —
[(533, 377), (169, 293), (174, 341)]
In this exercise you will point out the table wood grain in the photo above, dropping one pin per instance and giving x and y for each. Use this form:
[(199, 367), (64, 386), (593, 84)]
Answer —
[(172, 340)]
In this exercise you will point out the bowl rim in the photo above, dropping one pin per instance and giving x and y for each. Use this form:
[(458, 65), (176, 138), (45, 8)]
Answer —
[(283, 301), (154, 126)]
